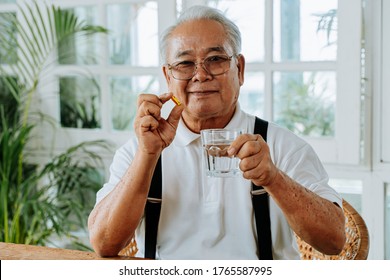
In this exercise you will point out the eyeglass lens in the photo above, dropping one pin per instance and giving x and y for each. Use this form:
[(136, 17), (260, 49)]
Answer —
[(214, 65)]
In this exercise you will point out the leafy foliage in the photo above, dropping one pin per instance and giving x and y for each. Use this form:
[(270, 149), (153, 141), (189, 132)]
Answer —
[(327, 22), (39, 201), (81, 111), (304, 109)]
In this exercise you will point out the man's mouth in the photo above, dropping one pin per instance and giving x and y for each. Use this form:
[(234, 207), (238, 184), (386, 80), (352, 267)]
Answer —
[(202, 92)]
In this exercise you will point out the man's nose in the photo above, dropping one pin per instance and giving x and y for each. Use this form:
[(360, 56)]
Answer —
[(201, 73)]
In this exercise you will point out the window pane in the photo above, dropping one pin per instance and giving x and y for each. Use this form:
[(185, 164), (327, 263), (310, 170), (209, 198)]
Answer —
[(387, 223), (8, 101), (251, 24), (252, 94), (80, 102), (350, 190), (304, 102), (81, 49), (179, 6), (124, 93), (305, 30), (133, 38), (8, 54)]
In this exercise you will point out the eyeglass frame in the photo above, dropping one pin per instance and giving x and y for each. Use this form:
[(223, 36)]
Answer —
[(170, 66)]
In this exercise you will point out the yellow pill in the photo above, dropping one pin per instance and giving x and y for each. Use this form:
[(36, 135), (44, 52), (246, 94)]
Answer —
[(177, 101)]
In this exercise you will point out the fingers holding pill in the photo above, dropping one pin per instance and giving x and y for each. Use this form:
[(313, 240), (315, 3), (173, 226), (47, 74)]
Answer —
[(154, 132)]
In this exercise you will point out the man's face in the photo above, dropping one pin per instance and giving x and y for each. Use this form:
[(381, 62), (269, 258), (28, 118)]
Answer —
[(209, 99)]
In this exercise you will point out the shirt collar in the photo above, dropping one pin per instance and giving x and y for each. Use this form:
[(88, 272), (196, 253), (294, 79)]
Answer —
[(184, 136)]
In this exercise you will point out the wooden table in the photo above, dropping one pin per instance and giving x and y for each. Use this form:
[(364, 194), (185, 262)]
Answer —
[(10, 251)]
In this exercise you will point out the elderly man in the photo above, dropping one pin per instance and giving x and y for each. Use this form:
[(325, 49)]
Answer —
[(203, 217)]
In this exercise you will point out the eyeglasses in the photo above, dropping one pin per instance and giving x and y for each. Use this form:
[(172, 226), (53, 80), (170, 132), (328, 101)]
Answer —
[(214, 65)]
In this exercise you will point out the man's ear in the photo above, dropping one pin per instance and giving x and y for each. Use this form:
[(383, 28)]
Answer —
[(165, 70), (241, 68)]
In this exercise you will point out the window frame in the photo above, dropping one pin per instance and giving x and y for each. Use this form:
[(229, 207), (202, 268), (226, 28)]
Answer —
[(65, 136), (343, 148), (385, 85)]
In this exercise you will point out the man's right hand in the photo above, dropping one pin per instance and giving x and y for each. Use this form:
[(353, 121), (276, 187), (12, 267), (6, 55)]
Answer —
[(155, 133)]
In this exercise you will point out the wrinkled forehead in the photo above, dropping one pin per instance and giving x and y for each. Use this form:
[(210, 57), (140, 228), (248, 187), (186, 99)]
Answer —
[(198, 38)]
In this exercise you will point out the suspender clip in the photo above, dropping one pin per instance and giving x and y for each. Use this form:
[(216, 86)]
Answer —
[(154, 200), (259, 192)]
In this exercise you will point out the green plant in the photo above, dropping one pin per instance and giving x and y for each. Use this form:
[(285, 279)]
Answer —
[(79, 110), (7, 100), (39, 200), (304, 108), (54, 199), (327, 22)]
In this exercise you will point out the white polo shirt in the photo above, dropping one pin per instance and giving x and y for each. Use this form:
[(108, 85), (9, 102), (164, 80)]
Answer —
[(212, 218)]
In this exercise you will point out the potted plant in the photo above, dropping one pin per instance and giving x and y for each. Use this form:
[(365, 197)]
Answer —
[(37, 202)]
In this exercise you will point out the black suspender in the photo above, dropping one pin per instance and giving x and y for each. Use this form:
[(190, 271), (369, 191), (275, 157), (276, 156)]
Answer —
[(259, 201), (260, 204), (152, 212)]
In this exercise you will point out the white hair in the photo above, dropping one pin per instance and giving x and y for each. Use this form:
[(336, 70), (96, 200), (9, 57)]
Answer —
[(199, 13)]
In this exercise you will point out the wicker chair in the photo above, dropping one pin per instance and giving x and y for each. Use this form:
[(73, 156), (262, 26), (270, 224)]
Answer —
[(355, 248), (130, 250)]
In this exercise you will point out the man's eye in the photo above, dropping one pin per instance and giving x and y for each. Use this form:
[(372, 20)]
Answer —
[(216, 58), (183, 64)]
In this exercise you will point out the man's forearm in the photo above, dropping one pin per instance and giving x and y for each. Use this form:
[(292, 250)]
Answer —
[(113, 221), (316, 220)]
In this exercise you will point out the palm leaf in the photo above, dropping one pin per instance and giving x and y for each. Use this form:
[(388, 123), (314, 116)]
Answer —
[(36, 203)]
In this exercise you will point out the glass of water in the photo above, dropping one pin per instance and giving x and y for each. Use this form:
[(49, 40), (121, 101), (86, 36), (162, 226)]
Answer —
[(215, 144)]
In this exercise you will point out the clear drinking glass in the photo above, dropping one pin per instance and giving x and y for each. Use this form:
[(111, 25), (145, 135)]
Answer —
[(215, 143)]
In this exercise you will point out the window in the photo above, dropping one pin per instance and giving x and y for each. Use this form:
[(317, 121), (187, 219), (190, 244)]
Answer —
[(96, 89), (385, 98), (296, 53), (7, 56), (350, 190), (294, 50)]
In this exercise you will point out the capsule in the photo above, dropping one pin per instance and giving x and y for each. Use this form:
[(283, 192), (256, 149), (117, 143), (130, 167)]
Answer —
[(177, 101)]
